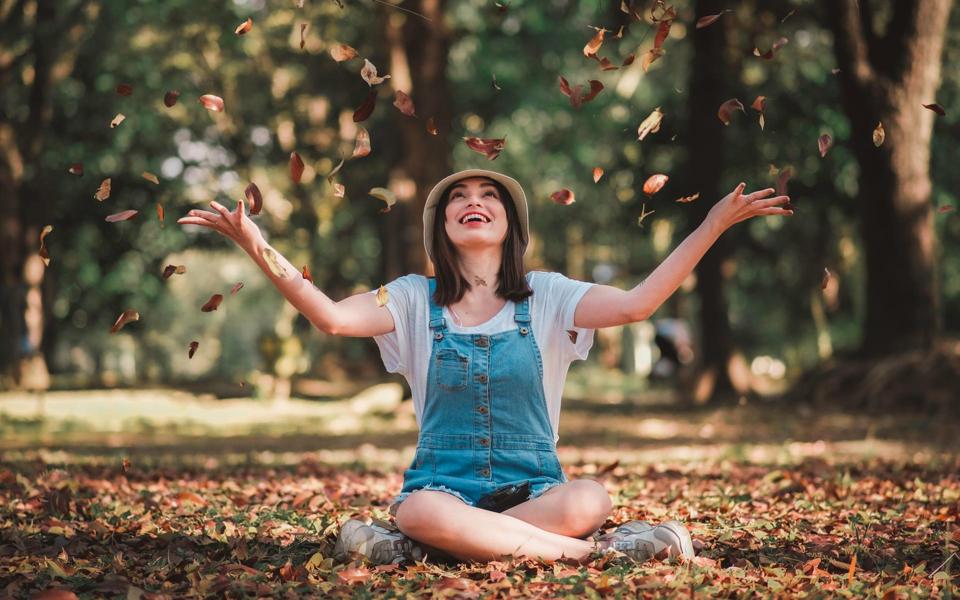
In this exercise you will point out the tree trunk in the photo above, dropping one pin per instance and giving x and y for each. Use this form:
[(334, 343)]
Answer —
[(707, 92), (885, 78), (418, 57)]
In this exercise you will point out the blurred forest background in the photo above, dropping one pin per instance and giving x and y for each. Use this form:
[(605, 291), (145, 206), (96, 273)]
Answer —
[(880, 330)]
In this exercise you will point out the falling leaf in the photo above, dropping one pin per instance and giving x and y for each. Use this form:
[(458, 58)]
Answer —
[(103, 192), (491, 147), (124, 89), (573, 335), (170, 98), (576, 94), (663, 31), (878, 135), (725, 112), (342, 52), (785, 174), (306, 274), (823, 143), (687, 199), (651, 124), (236, 288), (254, 198), (432, 126), (211, 102), (76, 169), (759, 105), (594, 44), (650, 56), (192, 349), (936, 108), (563, 196), (244, 27), (212, 303), (780, 43), (125, 465), (173, 270), (404, 103), (605, 63), (826, 279), (150, 177), (369, 74), (382, 297), (339, 190), (160, 213), (121, 216), (124, 318), (335, 170), (386, 195), (628, 60), (364, 111), (597, 174), (362, 146), (273, 262), (710, 19), (654, 184), (117, 120), (788, 15), (494, 83), (43, 249), (296, 167), (644, 214)]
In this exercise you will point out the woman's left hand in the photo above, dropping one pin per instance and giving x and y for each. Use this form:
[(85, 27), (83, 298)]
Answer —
[(737, 206)]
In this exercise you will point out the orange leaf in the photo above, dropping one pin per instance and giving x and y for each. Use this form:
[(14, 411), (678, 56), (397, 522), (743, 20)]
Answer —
[(654, 183), (244, 27), (563, 196), (211, 102), (296, 167), (597, 174), (124, 318)]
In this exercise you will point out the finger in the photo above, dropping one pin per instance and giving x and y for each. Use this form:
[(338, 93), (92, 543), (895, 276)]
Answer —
[(220, 209), (776, 210), (240, 207), (767, 203), (204, 214), (759, 194), (196, 221), (739, 189)]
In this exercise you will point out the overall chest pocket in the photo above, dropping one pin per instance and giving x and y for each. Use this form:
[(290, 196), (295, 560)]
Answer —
[(450, 370)]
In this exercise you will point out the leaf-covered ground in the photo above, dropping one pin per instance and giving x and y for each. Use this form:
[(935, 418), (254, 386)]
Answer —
[(810, 519)]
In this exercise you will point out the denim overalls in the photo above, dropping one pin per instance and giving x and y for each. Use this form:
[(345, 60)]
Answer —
[(485, 422)]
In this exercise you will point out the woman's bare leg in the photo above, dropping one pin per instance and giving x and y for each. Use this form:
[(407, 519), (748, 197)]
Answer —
[(443, 521), (574, 509)]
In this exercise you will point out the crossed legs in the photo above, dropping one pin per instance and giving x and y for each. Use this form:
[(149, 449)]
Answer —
[(549, 527)]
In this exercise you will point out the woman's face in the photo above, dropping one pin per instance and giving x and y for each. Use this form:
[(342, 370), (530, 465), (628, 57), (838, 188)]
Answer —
[(475, 196)]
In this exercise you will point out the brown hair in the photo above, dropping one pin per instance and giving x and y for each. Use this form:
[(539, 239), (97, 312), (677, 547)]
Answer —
[(451, 284)]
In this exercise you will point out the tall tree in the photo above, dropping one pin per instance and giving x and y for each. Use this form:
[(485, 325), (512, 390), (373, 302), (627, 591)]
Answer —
[(706, 135), (889, 56)]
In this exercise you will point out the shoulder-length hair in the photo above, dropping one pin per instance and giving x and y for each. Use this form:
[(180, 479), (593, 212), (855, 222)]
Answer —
[(451, 284)]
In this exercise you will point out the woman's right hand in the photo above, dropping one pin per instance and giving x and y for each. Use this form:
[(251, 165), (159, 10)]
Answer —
[(236, 225)]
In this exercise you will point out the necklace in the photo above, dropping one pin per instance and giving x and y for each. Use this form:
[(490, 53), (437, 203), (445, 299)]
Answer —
[(456, 316)]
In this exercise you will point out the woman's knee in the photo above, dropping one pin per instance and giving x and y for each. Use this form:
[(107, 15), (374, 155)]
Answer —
[(420, 511), (586, 505)]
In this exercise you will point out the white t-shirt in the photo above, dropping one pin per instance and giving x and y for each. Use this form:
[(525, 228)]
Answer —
[(406, 349)]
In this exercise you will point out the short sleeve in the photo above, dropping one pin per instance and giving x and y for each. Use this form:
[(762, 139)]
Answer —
[(561, 296), (396, 347)]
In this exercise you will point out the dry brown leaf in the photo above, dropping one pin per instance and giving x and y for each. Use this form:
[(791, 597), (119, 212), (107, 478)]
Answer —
[(769, 54), (369, 74), (878, 135), (125, 317), (212, 303), (687, 199), (117, 120), (654, 183), (563, 196), (211, 102), (192, 349), (490, 147), (296, 167), (404, 103), (173, 270), (725, 112), (361, 147), (597, 174), (124, 215), (160, 213), (103, 192), (365, 109), (590, 50), (254, 198), (76, 169), (43, 249), (386, 195), (342, 52), (382, 296), (650, 125), (244, 27), (170, 98), (150, 177), (824, 142), (936, 108), (236, 288)]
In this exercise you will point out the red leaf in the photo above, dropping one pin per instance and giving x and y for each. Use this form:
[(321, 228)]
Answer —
[(597, 174), (212, 303), (491, 147), (124, 318), (192, 349), (663, 30), (364, 111), (121, 216), (824, 142), (170, 98), (709, 19), (254, 198), (404, 103), (173, 270), (936, 108), (296, 167), (725, 112), (654, 184), (780, 43), (576, 94), (76, 169), (236, 287), (160, 213), (244, 27), (211, 102), (563, 196)]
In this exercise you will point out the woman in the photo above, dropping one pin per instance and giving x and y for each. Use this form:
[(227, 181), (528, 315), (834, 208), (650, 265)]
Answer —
[(485, 348)]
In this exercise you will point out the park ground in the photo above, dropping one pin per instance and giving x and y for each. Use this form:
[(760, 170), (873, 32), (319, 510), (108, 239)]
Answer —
[(155, 493)]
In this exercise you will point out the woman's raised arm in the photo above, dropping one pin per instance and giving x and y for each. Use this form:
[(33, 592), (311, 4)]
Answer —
[(356, 316)]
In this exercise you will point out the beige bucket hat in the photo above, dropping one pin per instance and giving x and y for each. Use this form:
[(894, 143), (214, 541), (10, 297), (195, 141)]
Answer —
[(433, 198)]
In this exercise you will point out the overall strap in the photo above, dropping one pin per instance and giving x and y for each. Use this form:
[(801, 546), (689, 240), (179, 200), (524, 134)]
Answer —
[(521, 315), (436, 312)]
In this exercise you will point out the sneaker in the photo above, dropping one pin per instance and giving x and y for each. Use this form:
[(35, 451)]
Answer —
[(379, 542), (642, 541)]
